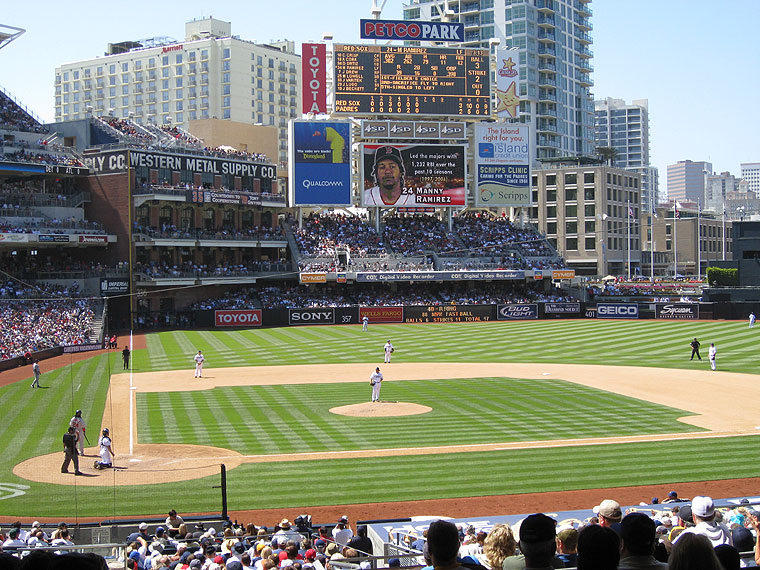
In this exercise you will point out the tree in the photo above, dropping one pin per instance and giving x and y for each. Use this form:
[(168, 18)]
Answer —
[(608, 154)]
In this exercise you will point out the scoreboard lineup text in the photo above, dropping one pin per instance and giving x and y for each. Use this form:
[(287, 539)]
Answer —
[(448, 314), (403, 80)]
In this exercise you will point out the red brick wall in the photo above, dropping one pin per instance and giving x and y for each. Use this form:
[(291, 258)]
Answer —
[(110, 207)]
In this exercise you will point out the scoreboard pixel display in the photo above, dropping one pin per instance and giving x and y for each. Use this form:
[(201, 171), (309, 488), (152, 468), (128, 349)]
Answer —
[(411, 80)]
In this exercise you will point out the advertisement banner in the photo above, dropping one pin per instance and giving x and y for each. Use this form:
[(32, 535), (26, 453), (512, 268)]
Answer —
[(13, 238), (238, 318), (315, 316), (374, 277), (517, 312), (413, 175), (320, 163), (314, 78), (413, 129), (563, 274), (223, 197), (382, 314), (502, 160), (507, 83), (562, 308), (93, 239), (53, 238), (114, 285), (71, 348), (681, 311), (448, 314), (312, 277), (617, 311), (406, 30)]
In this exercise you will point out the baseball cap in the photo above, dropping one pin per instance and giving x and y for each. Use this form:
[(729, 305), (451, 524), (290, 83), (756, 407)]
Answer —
[(673, 495), (685, 514), (609, 509), (702, 506), (319, 542), (233, 564), (537, 528), (239, 547), (389, 152), (311, 553), (35, 524), (160, 529), (569, 537), (343, 519), (743, 539), (143, 526), (194, 563)]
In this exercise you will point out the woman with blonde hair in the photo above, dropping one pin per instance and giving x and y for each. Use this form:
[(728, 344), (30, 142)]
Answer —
[(499, 545)]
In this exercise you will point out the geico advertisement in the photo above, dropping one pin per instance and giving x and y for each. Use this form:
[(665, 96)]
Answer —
[(616, 311)]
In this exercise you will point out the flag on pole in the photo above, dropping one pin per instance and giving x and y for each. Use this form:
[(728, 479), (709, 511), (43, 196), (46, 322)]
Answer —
[(630, 212), (677, 214)]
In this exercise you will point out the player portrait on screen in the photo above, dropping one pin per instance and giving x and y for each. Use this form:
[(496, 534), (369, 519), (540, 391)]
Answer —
[(388, 172)]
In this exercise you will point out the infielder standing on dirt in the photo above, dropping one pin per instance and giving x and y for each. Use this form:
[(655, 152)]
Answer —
[(199, 364), (375, 380), (711, 354), (388, 351), (80, 428)]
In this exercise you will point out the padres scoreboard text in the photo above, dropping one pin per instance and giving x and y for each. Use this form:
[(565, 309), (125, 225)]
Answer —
[(411, 80)]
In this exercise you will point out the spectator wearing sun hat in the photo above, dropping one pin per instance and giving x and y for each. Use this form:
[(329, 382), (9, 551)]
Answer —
[(287, 533), (703, 511), (342, 533), (609, 512)]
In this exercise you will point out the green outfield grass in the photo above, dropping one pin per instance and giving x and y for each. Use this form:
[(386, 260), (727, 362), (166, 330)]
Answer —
[(282, 419)]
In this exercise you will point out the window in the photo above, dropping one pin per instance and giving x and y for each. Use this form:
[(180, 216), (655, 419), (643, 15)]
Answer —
[(571, 194), (589, 210), (571, 243), (178, 59), (225, 77), (226, 114), (551, 211), (225, 65), (225, 101), (571, 228), (590, 226), (551, 227), (588, 177), (551, 179), (589, 194), (226, 89), (165, 60), (571, 178), (551, 195), (226, 53), (178, 82), (590, 243), (571, 211), (178, 70)]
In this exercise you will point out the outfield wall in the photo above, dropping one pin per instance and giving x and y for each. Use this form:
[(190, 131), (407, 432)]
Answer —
[(248, 318)]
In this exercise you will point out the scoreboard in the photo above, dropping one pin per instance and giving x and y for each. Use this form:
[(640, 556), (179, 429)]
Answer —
[(411, 80)]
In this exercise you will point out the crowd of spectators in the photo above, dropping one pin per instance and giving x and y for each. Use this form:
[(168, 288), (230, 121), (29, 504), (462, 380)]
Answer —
[(31, 192), (189, 269), (46, 316), (322, 235), (14, 118), (42, 158), (171, 231), (675, 536), (31, 267), (38, 225), (233, 153), (181, 135), (658, 292), (129, 129), (416, 234)]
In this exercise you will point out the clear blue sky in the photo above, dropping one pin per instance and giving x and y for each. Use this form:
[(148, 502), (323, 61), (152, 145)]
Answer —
[(696, 61)]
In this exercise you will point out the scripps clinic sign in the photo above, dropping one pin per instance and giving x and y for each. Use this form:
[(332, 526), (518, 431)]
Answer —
[(502, 161)]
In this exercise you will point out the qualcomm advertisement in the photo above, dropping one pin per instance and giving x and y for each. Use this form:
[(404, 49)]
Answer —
[(320, 164), (503, 165)]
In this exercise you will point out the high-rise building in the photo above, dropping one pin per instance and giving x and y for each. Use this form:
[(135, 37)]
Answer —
[(625, 128), (718, 187), (211, 74), (687, 179), (553, 40), (751, 174)]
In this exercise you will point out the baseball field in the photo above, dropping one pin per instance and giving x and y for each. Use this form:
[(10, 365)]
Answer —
[(467, 410)]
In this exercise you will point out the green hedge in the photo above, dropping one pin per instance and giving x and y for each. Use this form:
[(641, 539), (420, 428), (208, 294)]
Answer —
[(717, 276)]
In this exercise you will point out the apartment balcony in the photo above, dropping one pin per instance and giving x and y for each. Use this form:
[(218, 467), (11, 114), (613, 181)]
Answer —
[(546, 20), (584, 65), (547, 66), (472, 36), (472, 22), (546, 127), (547, 141), (583, 38), (583, 51), (469, 7), (548, 51), (584, 24), (584, 79), (546, 36), (545, 6), (546, 96), (584, 9), (544, 111), (546, 81)]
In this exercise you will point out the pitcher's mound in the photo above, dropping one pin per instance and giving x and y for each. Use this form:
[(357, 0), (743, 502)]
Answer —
[(381, 409)]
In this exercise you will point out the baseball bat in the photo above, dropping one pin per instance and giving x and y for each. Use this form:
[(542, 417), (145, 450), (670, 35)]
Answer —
[(86, 438)]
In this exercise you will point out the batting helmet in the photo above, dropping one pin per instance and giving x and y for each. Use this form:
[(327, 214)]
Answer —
[(105, 431), (78, 413)]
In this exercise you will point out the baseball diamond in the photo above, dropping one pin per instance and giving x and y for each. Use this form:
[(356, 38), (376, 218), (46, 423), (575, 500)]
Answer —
[(580, 423)]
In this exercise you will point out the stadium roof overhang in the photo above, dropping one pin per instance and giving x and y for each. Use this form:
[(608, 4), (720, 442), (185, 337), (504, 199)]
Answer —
[(8, 34)]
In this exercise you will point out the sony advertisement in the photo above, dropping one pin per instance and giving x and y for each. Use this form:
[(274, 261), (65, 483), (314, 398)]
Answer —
[(413, 175), (320, 163)]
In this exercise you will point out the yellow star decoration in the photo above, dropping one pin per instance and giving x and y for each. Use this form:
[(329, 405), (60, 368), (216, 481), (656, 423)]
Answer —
[(508, 100), (508, 64)]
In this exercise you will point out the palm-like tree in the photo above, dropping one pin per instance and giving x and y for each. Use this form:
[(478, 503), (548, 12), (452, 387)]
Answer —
[(608, 154)]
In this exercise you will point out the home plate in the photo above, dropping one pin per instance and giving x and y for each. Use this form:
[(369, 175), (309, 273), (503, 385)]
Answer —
[(135, 460)]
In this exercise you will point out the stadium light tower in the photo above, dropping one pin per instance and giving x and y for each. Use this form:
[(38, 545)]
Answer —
[(8, 34)]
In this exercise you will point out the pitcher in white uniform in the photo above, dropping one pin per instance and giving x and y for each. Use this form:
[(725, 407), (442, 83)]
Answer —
[(375, 380)]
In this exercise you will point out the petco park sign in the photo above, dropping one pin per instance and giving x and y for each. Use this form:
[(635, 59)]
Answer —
[(240, 318), (406, 30)]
